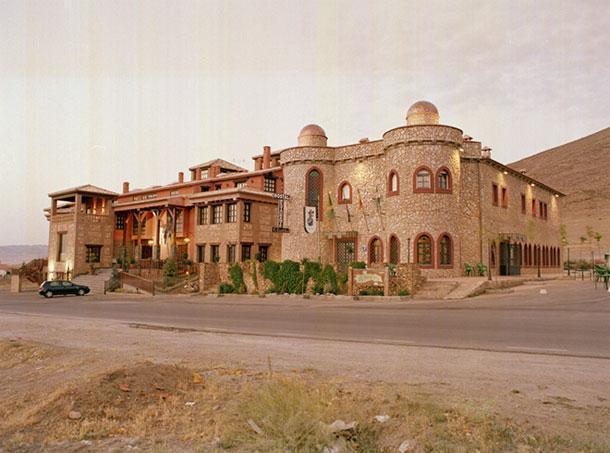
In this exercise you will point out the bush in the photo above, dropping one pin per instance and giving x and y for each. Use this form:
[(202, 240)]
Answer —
[(170, 272), (404, 292), (371, 292), (329, 277), (271, 270), (237, 277), (358, 265), (115, 281), (225, 288)]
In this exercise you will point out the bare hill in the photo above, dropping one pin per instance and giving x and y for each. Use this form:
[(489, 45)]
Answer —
[(581, 170), (17, 254)]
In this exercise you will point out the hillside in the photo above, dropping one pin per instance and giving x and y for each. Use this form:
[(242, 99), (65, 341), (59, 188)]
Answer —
[(17, 254), (580, 169)]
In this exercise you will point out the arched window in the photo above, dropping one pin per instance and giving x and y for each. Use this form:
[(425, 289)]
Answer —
[(394, 250), (313, 187), (375, 251), (393, 187), (423, 250), (443, 180), (422, 180), (345, 193), (445, 251)]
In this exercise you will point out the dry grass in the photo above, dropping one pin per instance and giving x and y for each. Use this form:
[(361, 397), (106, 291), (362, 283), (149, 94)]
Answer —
[(175, 408)]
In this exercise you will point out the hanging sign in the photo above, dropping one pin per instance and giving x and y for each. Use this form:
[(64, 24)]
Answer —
[(309, 219)]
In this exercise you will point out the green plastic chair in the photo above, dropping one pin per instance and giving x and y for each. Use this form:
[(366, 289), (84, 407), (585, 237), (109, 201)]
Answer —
[(469, 270), (482, 269)]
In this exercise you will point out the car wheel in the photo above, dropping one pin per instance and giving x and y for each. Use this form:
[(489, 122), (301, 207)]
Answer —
[(81, 292), (48, 294)]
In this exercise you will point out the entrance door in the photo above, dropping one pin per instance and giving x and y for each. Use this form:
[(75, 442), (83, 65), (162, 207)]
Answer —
[(510, 259), (345, 253)]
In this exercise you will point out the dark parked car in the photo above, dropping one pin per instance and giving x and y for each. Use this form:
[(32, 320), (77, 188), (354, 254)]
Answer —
[(63, 287)]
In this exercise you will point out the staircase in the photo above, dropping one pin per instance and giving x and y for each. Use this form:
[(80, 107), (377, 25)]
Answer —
[(94, 282), (435, 289)]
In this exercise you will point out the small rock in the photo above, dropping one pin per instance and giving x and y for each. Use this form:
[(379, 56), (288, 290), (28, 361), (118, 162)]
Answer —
[(189, 403), (124, 387), (407, 445), (197, 379), (382, 418), (74, 415), (257, 429), (543, 291), (215, 408), (339, 425)]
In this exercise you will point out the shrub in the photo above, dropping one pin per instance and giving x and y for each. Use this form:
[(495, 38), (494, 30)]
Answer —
[(115, 281), (329, 277), (271, 270), (358, 265), (404, 292), (225, 288), (237, 278), (170, 272), (371, 292)]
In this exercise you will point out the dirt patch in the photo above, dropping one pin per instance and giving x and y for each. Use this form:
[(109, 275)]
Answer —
[(166, 407)]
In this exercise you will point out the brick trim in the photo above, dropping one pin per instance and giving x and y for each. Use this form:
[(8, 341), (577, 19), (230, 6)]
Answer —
[(449, 181), (415, 251), (340, 199), (451, 252), (390, 192)]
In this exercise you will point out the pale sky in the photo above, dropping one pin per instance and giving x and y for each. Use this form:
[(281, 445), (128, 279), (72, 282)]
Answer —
[(106, 91)]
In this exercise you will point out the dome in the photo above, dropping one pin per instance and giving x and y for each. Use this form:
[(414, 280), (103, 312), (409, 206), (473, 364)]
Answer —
[(312, 135), (422, 112), (312, 129)]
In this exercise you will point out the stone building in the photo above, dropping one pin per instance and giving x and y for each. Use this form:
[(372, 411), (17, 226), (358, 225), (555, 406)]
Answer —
[(424, 193)]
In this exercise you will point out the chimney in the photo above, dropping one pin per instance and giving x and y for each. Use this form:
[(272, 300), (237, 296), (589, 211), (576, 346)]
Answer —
[(258, 163), (266, 157), (126, 187), (180, 177)]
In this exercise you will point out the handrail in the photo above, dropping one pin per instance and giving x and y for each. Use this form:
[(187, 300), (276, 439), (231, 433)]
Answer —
[(137, 282)]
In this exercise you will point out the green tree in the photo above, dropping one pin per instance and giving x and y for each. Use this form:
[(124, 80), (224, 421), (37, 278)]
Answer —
[(170, 272)]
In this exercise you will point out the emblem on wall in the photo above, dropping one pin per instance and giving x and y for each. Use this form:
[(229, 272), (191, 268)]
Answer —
[(309, 219)]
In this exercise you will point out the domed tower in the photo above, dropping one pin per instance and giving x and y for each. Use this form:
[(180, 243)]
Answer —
[(308, 170), (422, 112), (312, 135), (425, 156)]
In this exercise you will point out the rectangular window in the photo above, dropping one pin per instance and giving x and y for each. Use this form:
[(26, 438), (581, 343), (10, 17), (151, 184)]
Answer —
[(204, 174), (215, 253), (120, 221), (174, 192), (523, 204), (202, 217), (61, 246), (205, 188), (93, 253), (504, 197), (135, 227), (247, 212), (241, 184), (201, 253), (217, 214), (269, 185), (494, 194), (533, 207), (246, 250), (179, 222), (263, 252), (232, 213), (231, 253)]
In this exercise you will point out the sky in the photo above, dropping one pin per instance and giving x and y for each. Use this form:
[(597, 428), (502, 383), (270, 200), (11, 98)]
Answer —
[(100, 92)]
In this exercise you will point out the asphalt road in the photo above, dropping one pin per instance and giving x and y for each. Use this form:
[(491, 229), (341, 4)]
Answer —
[(572, 319)]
